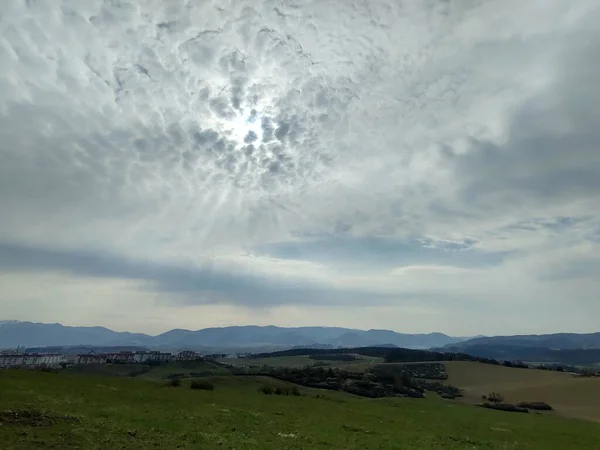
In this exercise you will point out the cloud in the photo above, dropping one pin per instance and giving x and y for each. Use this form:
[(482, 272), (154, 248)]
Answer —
[(372, 253), (436, 155), (196, 285)]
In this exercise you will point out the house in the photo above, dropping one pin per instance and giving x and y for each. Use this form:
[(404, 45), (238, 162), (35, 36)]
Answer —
[(14, 360), (91, 358), (141, 357), (122, 357), (187, 355), (51, 359), (159, 357), (31, 360)]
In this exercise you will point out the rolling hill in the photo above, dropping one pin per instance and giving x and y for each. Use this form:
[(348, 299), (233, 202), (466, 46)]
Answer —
[(551, 341)]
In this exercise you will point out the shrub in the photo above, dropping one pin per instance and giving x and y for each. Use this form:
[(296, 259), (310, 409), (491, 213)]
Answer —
[(539, 406), (202, 385), (334, 357), (174, 382), (504, 407), (295, 392), (447, 396), (279, 391), (266, 390), (494, 397)]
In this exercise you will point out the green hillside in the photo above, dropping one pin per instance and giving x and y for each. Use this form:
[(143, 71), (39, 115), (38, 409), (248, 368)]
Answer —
[(64, 411)]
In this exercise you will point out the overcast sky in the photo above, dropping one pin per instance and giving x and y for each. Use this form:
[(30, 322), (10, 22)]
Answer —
[(410, 165)]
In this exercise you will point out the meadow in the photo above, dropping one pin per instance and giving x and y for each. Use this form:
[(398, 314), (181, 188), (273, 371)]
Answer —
[(69, 410)]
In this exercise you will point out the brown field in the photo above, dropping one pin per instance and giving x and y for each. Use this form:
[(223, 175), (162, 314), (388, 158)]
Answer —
[(569, 395)]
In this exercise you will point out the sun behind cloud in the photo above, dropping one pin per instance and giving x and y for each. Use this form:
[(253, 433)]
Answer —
[(399, 156)]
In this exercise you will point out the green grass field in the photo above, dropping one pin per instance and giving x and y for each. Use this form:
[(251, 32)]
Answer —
[(97, 412), (569, 395), (186, 369)]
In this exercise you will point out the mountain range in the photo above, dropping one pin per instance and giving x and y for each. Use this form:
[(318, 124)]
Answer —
[(270, 338), (564, 348), (556, 341), (29, 334)]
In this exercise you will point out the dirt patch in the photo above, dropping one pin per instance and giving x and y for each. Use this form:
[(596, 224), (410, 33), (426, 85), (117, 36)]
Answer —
[(33, 418)]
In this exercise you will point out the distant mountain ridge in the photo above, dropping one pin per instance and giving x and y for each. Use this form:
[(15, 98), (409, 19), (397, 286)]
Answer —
[(556, 341), (29, 334)]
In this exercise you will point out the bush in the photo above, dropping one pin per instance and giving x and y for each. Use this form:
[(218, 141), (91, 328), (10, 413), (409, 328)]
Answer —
[(266, 390), (174, 382), (494, 397), (334, 357), (538, 406), (447, 396), (280, 391), (504, 407), (202, 385)]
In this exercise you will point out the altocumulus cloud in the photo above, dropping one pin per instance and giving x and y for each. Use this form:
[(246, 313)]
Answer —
[(434, 161)]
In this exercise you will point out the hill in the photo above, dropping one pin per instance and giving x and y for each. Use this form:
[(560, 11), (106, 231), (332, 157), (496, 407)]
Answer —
[(93, 412), (30, 334), (550, 341), (236, 338), (569, 395), (575, 357), (563, 348)]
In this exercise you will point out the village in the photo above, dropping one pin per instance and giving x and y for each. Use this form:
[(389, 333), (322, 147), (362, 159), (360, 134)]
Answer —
[(18, 359)]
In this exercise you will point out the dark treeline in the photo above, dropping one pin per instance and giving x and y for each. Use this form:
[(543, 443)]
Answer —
[(336, 357), (387, 353), (378, 352), (497, 354), (382, 381)]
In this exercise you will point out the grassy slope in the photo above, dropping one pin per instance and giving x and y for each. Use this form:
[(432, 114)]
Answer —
[(187, 368), (570, 396), (132, 413)]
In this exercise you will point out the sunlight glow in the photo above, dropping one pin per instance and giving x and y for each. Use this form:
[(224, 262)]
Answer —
[(246, 128)]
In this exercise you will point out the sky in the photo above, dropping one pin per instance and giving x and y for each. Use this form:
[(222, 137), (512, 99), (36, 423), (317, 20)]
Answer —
[(419, 166)]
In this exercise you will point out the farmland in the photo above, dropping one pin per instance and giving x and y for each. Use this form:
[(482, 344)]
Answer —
[(65, 410), (574, 397), (571, 396)]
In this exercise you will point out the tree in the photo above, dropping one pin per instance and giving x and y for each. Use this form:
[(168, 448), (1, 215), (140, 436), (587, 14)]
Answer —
[(495, 397), (406, 380)]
